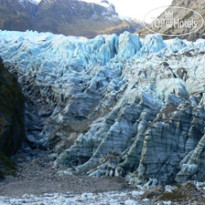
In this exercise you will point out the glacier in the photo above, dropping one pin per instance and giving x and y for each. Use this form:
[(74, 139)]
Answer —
[(113, 105)]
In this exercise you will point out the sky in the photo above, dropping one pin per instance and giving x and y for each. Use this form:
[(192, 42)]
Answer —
[(137, 9)]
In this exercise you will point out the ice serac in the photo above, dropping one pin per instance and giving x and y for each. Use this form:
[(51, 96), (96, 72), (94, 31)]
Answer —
[(113, 105)]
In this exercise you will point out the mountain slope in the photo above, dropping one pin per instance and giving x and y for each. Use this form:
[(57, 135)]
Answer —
[(114, 105), (182, 15), (13, 16), (69, 17)]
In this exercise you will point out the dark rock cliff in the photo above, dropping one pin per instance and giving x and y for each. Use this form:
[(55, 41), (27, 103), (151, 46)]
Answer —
[(11, 118)]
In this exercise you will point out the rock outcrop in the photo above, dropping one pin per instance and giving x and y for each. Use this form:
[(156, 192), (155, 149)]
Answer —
[(11, 118), (114, 105), (195, 12)]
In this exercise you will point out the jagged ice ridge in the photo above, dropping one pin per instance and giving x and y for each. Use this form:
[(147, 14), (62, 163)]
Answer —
[(114, 105)]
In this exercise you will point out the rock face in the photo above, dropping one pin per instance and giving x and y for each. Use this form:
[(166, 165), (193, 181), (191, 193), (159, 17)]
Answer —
[(114, 105), (11, 117), (184, 15), (68, 17)]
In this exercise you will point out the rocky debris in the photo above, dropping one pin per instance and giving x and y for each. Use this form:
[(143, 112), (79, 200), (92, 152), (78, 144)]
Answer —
[(11, 119), (114, 105), (185, 193), (153, 192), (35, 175), (115, 198)]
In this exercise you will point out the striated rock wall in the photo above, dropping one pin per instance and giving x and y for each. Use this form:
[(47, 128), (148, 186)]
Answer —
[(114, 105)]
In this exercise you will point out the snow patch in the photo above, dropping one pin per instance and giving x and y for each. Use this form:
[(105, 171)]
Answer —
[(31, 1)]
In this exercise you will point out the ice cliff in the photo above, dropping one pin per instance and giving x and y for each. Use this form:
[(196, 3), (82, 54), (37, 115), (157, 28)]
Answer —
[(114, 105)]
